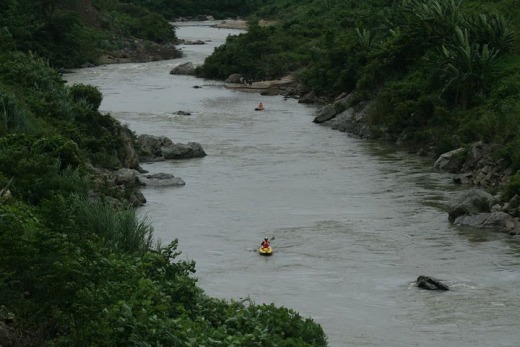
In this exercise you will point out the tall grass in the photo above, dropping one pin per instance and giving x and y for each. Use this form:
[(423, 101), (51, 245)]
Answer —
[(122, 229)]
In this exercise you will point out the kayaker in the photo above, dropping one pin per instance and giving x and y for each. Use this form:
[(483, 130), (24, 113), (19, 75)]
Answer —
[(260, 107), (265, 243)]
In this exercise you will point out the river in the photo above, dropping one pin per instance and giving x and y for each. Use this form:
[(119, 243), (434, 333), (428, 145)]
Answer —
[(354, 222)]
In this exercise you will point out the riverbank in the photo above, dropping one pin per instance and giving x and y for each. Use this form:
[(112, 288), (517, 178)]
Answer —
[(486, 205), (274, 86), (240, 24)]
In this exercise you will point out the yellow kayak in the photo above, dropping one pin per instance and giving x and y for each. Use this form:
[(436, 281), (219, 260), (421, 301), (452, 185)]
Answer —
[(265, 251)]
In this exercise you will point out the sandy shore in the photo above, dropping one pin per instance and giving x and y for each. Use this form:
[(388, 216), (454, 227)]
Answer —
[(261, 85), (239, 24)]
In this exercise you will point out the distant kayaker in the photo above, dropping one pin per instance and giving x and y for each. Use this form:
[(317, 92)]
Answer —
[(266, 243), (260, 107)]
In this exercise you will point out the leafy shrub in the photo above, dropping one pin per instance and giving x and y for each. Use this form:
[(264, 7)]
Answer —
[(12, 117), (90, 94), (40, 167)]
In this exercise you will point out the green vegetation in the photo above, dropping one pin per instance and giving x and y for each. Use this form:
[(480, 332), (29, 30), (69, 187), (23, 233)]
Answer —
[(439, 73), (173, 9), (71, 33), (77, 266)]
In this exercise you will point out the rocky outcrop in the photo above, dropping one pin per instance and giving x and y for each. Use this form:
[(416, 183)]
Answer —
[(499, 221), (474, 165), (451, 161), (126, 152), (190, 43), (124, 185), (340, 116), (325, 113), (161, 180), (471, 202), (235, 78), (156, 148), (183, 151), (183, 69), (150, 146), (430, 283), (477, 208)]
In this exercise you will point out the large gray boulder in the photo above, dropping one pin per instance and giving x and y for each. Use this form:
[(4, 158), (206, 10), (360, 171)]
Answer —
[(451, 161), (157, 148), (150, 146), (183, 69), (183, 151), (235, 78), (353, 121), (126, 177), (325, 113), (470, 202), (500, 221)]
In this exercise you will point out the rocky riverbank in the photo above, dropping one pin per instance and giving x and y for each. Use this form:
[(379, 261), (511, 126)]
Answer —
[(481, 206), (123, 186), (140, 51)]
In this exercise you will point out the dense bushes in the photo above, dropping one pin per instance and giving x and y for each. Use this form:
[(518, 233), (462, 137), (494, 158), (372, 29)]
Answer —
[(130, 20), (91, 95), (172, 9), (75, 33)]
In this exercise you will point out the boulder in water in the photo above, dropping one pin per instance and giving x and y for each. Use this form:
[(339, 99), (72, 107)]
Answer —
[(430, 283)]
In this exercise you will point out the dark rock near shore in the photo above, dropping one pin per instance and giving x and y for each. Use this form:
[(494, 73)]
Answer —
[(161, 180), (325, 113)]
